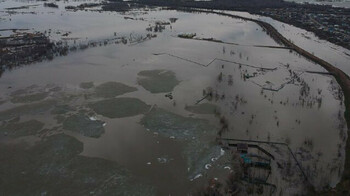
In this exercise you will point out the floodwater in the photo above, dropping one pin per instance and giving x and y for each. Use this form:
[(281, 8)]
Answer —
[(334, 54), (133, 107)]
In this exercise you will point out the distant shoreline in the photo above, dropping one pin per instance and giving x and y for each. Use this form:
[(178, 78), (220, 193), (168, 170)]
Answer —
[(285, 11), (338, 4)]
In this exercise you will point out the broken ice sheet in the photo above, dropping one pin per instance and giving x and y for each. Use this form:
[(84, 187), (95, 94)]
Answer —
[(157, 81), (84, 125), (113, 89), (30, 127), (199, 151), (119, 107), (164, 159), (58, 169)]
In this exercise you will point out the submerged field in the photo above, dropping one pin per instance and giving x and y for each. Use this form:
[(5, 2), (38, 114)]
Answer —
[(142, 111)]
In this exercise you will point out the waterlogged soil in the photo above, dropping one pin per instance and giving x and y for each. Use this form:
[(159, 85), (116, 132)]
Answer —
[(113, 89), (84, 125), (158, 81), (120, 107), (54, 167)]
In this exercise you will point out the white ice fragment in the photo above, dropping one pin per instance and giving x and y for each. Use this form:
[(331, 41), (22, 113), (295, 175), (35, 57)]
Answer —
[(162, 160), (207, 166), (197, 176), (222, 152), (92, 118), (104, 124), (149, 163), (172, 137), (214, 159), (227, 167)]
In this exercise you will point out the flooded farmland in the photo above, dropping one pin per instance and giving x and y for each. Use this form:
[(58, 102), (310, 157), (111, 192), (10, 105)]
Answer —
[(123, 105)]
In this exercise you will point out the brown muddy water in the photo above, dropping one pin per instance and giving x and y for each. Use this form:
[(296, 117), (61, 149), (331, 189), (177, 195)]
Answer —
[(130, 119)]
